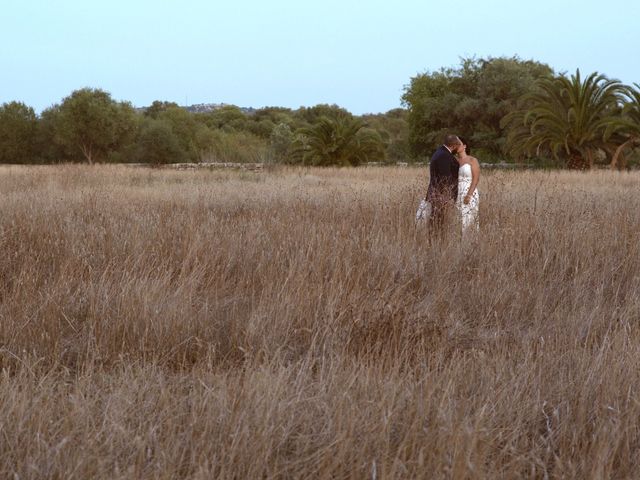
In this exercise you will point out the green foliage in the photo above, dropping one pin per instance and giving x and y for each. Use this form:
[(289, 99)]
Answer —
[(393, 129), (18, 130), (307, 116), (632, 109), (261, 128), (48, 150), (281, 140), (89, 126), (237, 147), (228, 118), (264, 120), (341, 140), (158, 143), (470, 100), (430, 102), (90, 123), (157, 107), (571, 118), (627, 130), (502, 106), (204, 141), (275, 115), (185, 128)]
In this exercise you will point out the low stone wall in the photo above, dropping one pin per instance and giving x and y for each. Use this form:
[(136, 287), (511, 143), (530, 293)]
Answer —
[(252, 167)]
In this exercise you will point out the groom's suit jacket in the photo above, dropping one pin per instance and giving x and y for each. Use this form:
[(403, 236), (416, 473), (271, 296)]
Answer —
[(443, 182)]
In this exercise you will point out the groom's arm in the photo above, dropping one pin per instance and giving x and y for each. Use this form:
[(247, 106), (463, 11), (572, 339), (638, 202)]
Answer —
[(441, 189)]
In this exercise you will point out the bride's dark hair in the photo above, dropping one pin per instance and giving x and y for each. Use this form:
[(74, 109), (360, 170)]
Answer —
[(468, 149)]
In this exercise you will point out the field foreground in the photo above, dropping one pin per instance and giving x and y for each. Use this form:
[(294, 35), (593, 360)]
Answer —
[(296, 324)]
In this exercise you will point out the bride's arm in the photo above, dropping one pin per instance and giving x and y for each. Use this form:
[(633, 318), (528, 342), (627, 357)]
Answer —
[(475, 178)]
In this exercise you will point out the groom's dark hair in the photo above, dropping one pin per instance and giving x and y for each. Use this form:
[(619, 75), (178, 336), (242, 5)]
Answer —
[(451, 140)]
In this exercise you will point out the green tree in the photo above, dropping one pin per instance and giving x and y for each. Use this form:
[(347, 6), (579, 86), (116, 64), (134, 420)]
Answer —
[(205, 140), (264, 120), (89, 122), (393, 128), (470, 100), (500, 83), (238, 147), (262, 128), (228, 118), (281, 139), (430, 101), (158, 143), (275, 115), (18, 129), (157, 107), (307, 116), (570, 117), (185, 127), (342, 140), (628, 129), (48, 149)]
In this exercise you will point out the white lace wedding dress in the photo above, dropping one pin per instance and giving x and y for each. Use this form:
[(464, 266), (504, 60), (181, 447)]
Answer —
[(469, 213)]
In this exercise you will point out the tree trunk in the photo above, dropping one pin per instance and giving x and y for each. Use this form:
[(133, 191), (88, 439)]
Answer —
[(87, 152), (577, 161), (618, 152), (622, 161), (590, 159)]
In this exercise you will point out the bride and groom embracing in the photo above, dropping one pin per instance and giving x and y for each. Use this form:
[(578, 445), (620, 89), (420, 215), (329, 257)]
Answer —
[(454, 176)]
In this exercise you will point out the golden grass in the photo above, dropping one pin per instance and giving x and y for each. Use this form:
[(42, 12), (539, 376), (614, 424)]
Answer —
[(295, 324)]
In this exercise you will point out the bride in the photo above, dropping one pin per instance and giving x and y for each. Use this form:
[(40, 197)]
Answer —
[(468, 177)]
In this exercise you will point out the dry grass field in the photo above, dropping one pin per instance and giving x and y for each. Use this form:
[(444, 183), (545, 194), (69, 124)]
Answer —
[(294, 323)]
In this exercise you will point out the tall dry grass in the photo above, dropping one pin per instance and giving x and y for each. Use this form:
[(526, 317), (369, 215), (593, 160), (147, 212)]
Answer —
[(295, 324)]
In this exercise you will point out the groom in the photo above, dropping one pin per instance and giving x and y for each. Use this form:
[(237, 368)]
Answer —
[(443, 182)]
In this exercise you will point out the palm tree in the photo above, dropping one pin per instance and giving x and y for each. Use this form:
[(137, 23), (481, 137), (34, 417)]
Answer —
[(628, 129), (339, 140), (569, 117)]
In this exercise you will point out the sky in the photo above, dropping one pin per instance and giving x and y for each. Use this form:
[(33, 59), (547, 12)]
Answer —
[(292, 53)]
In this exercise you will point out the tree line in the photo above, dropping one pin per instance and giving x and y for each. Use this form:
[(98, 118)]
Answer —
[(508, 109), (89, 126)]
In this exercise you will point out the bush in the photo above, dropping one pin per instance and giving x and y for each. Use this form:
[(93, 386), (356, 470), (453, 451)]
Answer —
[(159, 144), (236, 147), (17, 133)]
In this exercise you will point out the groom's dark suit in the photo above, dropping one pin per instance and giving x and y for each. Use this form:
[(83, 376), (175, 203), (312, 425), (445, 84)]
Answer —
[(443, 183)]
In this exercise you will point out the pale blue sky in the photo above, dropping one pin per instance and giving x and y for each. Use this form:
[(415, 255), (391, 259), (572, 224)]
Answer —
[(291, 52)]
